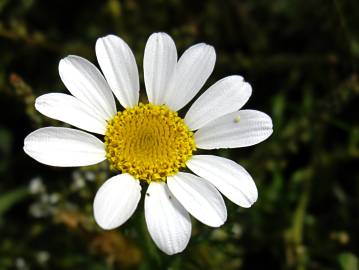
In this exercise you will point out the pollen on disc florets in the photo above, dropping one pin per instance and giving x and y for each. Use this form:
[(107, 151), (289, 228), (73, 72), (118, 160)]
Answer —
[(149, 142)]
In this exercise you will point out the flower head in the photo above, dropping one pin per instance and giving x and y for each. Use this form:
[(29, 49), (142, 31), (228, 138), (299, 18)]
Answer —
[(151, 142)]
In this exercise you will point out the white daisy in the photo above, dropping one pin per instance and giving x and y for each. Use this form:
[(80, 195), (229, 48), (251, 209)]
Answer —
[(150, 142)]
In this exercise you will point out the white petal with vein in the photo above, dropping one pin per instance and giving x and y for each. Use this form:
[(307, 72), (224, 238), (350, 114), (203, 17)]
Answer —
[(231, 179), (238, 129), (159, 63), (192, 71), (225, 96), (64, 147), (85, 82), (71, 110), (116, 200), (200, 198), (168, 223), (119, 66)]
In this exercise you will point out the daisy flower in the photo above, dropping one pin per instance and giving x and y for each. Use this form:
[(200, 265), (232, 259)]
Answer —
[(151, 143)]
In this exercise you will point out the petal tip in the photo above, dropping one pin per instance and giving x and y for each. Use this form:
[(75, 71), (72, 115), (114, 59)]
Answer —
[(173, 252), (104, 226)]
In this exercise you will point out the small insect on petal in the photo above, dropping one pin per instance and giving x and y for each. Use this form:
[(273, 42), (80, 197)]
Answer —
[(237, 119)]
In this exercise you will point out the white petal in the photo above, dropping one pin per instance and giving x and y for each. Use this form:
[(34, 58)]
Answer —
[(168, 223), (199, 198), (119, 66), (71, 110), (159, 63), (116, 200), (192, 71), (86, 82), (238, 129), (64, 147), (231, 179), (225, 96)]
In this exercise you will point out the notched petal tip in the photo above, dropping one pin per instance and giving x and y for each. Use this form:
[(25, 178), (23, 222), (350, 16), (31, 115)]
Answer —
[(25, 145), (71, 57), (108, 36), (159, 34)]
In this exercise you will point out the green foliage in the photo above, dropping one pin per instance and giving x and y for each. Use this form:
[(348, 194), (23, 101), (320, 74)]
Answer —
[(8, 199), (348, 261), (301, 58)]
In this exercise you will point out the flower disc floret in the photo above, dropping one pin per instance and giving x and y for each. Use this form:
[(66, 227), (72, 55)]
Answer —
[(148, 141)]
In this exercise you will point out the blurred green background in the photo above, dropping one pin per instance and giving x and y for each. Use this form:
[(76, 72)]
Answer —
[(301, 57)]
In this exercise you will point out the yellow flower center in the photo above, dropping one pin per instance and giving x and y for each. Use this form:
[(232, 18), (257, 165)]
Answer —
[(149, 142)]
